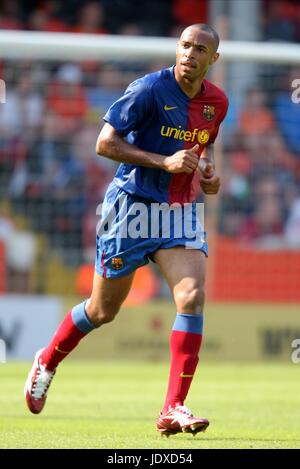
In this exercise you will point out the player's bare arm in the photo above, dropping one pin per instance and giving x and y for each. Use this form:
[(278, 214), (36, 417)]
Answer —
[(209, 180), (112, 145)]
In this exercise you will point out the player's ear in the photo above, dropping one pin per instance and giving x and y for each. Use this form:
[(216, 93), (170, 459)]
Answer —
[(214, 58)]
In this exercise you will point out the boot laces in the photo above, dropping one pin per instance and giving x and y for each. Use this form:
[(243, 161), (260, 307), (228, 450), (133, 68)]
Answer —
[(42, 382)]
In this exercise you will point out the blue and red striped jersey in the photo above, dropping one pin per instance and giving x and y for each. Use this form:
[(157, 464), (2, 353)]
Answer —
[(157, 116)]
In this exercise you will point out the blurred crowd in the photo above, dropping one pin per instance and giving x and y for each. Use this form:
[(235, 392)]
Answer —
[(280, 19), (53, 114), (261, 168), (132, 17)]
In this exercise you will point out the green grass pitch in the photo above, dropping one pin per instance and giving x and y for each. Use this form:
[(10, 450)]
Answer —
[(114, 405)]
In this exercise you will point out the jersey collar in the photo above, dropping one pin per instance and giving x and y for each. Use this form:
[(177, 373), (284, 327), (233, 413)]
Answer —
[(199, 95)]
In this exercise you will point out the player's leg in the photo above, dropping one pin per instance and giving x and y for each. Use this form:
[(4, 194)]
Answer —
[(105, 301), (184, 271)]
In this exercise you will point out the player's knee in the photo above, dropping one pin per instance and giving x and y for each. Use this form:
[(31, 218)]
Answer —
[(190, 300), (101, 315)]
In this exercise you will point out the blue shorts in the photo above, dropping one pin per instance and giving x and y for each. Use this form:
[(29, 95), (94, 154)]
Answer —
[(131, 229)]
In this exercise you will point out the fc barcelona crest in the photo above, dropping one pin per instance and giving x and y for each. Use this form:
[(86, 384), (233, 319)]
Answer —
[(208, 112), (117, 263)]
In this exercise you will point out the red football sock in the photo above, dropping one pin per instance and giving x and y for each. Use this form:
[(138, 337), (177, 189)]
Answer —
[(185, 343), (71, 330)]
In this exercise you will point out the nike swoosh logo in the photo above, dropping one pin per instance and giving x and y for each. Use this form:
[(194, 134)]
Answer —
[(183, 375), (169, 108), (61, 351)]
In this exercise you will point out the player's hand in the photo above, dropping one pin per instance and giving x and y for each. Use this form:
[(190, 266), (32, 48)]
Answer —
[(183, 161), (209, 181)]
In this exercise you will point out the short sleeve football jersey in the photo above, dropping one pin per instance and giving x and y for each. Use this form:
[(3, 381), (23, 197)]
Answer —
[(157, 116)]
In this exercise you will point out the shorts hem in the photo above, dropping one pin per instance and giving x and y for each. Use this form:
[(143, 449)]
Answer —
[(110, 273), (203, 249)]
